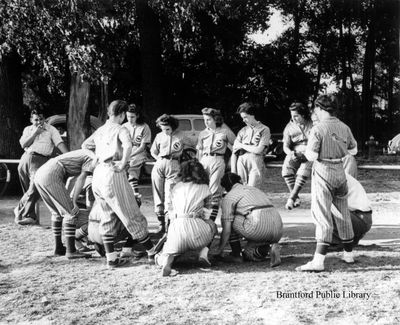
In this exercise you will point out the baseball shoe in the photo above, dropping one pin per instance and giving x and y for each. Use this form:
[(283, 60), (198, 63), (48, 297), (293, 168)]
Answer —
[(135, 254), (297, 202), (60, 251), (27, 221), (310, 267), (289, 204), (203, 257), (232, 259), (275, 254), (119, 262), (348, 257), (75, 255)]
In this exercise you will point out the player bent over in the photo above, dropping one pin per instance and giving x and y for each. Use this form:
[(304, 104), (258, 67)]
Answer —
[(247, 212), (190, 226), (50, 181), (110, 185), (295, 137), (330, 140)]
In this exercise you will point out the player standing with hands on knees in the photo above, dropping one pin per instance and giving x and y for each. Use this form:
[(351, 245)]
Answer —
[(294, 171), (250, 146), (330, 140), (113, 147), (211, 147)]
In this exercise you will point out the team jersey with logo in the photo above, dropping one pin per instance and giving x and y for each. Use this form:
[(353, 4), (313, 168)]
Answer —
[(215, 141), (295, 136), (140, 133), (255, 135), (169, 145)]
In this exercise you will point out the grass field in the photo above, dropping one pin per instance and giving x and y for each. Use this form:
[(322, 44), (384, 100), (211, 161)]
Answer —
[(37, 288)]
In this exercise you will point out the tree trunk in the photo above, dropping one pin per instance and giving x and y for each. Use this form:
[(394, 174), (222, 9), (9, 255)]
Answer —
[(78, 114), (10, 106), (104, 99), (151, 65), (319, 74), (369, 59)]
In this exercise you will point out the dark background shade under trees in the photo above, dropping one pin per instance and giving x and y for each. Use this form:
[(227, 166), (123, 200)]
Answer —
[(76, 56)]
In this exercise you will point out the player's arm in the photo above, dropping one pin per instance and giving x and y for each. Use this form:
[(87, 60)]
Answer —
[(352, 148), (89, 143), (126, 144), (226, 232), (287, 143), (155, 148), (62, 147), (313, 146), (79, 183), (234, 163)]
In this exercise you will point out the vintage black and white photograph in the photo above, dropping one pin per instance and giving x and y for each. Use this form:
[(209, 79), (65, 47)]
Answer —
[(200, 162)]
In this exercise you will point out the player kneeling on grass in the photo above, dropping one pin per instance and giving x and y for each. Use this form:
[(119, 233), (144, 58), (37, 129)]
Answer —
[(190, 227), (360, 213), (247, 212)]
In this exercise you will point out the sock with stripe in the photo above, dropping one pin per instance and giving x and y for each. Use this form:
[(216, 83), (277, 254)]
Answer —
[(348, 245), (290, 181), (134, 183), (214, 212), (146, 242), (56, 226), (130, 242), (82, 232), (234, 241), (108, 241), (300, 181), (69, 231), (161, 218)]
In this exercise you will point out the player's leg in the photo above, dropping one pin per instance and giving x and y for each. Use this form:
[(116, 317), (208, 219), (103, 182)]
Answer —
[(256, 169), (158, 186)]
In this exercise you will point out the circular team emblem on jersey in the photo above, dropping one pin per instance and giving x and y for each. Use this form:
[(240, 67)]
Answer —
[(177, 146), (138, 139), (219, 143)]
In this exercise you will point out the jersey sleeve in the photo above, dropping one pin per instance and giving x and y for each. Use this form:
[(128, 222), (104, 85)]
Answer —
[(265, 137), (55, 135), (146, 138)]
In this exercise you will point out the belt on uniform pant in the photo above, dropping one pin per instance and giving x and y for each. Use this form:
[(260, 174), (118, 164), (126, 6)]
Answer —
[(213, 154), (94, 220), (332, 161), (262, 207), (33, 153), (188, 215), (170, 157)]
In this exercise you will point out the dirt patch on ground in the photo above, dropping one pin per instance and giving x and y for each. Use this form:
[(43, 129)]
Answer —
[(37, 288)]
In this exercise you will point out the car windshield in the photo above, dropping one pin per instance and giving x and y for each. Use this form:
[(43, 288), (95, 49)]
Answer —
[(199, 124), (184, 125)]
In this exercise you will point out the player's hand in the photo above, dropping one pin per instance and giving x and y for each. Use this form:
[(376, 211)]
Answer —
[(119, 166), (39, 129)]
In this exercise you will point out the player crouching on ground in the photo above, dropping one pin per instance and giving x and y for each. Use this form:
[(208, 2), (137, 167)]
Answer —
[(247, 212), (190, 227)]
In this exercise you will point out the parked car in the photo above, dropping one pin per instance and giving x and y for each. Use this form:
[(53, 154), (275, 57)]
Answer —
[(394, 145)]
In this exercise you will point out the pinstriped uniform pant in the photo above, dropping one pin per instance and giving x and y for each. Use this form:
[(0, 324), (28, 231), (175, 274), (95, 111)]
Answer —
[(163, 177), (50, 182), (186, 234), (116, 199), (293, 167), (329, 186), (250, 168), (215, 167), (261, 225)]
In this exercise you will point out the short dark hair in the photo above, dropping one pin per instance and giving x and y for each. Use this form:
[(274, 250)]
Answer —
[(36, 111), (248, 108), (327, 103), (134, 109), (169, 120), (215, 114), (300, 108), (117, 107), (193, 171), (230, 179)]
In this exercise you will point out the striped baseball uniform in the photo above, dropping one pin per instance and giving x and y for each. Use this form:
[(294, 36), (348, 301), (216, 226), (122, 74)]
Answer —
[(50, 180), (350, 165), (252, 214), (34, 157), (111, 189), (330, 140), (212, 145), (140, 133), (168, 149), (295, 137), (189, 228), (360, 210), (250, 166)]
